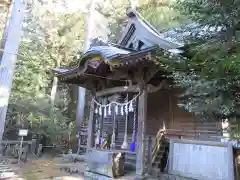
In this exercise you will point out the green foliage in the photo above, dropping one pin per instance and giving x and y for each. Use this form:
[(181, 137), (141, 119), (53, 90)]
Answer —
[(162, 14), (210, 74), (50, 39)]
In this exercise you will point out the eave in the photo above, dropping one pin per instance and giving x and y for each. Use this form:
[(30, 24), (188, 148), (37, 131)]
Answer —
[(84, 71)]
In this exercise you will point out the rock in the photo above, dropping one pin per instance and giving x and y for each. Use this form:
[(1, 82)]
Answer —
[(14, 162), (79, 158), (74, 158)]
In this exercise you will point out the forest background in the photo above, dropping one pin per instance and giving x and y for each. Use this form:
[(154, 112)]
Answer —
[(53, 36)]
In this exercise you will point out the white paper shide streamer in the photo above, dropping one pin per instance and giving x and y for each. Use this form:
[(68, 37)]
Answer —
[(124, 108)]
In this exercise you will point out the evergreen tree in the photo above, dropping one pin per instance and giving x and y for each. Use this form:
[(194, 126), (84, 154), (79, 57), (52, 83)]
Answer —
[(210, 71)]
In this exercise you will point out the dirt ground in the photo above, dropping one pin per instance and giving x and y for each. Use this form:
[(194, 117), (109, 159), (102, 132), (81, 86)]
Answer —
[(45, 168), (48, 168)]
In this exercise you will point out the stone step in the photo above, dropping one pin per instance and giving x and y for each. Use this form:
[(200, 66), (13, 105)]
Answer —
[(156, 164), (130, 165), (5, 168), (156, 172), (7, 175)]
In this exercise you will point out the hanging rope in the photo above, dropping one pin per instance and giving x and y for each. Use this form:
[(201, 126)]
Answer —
[(125, 143), (133, 143), (117, 103)]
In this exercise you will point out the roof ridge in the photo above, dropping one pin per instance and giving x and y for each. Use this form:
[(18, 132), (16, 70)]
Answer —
[(134, 13)]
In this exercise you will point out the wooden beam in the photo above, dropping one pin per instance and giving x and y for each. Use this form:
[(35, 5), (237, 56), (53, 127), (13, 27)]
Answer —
[(152, 70), (152, 89), (133, 88)]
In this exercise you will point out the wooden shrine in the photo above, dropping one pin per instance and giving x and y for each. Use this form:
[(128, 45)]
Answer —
[(134, 111)]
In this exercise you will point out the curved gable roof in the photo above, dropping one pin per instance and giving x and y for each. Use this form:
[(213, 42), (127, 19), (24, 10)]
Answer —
[(145, 32)]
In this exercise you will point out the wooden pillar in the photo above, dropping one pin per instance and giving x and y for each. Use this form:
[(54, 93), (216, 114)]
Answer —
[(103, 101), (171, 111), (113, 144), (149, 155), (141, 144), (90, 138)]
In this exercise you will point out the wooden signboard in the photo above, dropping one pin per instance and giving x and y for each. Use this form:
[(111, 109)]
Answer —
[(201, 160)]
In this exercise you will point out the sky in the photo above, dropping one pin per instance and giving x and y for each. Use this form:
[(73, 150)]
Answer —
[(71, 6)]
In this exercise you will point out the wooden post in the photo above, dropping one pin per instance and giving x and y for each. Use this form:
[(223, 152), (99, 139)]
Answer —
[(113, 144), (171, 111), (141, 145), (104, 101), (149, 155), (90, 138)]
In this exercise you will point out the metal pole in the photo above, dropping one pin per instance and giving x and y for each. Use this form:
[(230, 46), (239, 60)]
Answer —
[(82, 91), (9, 58)]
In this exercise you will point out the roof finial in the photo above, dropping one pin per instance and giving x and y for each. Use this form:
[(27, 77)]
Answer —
[(131, 10), (133, 4)]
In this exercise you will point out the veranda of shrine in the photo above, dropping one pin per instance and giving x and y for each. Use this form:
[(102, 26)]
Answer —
[(134, 108)]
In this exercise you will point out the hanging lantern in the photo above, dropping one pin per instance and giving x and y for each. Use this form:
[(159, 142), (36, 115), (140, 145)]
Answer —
[(109, 110), (116, 109), (105, 111), (122, 112), (100, 110), (131, 106)]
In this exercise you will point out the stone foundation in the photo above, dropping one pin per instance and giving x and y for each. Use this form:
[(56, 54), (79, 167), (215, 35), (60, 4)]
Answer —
[(94, 176), (173, 177)]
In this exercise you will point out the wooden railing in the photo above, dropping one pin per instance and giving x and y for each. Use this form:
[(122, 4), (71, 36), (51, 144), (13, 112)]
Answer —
[(158, 143), (194, 134)]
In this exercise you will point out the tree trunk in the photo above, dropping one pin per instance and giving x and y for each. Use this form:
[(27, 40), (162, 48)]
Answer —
[(81, 91), (54, 90), (9, 58), (54, 86)]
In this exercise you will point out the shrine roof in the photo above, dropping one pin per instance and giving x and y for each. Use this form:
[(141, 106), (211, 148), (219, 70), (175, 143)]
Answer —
[(110, 55), (139, 44), (106, 52)]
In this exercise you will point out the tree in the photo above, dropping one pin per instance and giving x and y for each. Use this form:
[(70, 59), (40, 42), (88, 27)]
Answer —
[(51, 38), (55, 38), (210, 71)]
